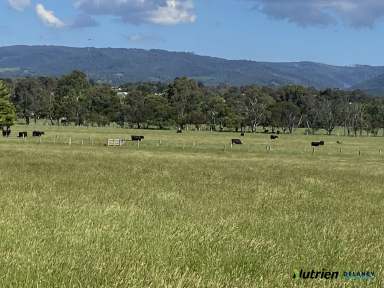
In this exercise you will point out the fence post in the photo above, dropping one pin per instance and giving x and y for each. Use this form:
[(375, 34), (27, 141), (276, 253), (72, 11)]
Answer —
[(70, 141)]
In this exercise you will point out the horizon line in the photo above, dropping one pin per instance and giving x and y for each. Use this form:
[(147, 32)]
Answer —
[(190, 52)]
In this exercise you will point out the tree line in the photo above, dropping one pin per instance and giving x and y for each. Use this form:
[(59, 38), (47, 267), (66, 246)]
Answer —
[(75, 99)]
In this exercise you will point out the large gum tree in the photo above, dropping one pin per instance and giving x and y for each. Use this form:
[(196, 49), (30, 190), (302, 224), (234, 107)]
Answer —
[(7, 109)]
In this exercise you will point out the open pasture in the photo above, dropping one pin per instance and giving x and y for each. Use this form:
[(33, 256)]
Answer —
[(187, 210), (163, 140)]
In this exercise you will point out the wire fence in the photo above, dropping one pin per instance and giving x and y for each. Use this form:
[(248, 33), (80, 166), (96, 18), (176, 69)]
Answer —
[(269, 147)]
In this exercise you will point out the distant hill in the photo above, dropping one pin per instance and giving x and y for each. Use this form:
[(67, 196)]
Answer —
[(118, 66), (374, 86)]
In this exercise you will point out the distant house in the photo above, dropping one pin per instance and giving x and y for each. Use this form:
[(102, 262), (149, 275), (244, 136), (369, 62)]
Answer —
[(160, 94), (122, 95), (119, 92)]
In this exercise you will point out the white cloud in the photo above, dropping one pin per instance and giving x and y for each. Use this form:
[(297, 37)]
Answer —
[(48, 17), (164, 12), (173, 12), (355, 13), (19, 5)]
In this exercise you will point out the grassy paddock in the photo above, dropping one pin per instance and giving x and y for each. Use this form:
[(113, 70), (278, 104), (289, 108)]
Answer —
[(188, 212)]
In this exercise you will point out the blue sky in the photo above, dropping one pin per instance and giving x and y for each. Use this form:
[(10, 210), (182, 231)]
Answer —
[(342, 32)]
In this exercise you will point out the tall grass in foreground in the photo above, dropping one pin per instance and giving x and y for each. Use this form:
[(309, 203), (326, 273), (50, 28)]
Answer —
[(91, 216)]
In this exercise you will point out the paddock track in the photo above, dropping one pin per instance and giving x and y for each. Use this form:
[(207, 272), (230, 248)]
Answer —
[(188, 210)]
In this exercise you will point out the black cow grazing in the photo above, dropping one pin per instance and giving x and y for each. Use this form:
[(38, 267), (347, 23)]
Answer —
[(37, 133), (137, 138), (315, 144), (274, 137), (23, 135), (242, 134), (236, 141), (6, 132)]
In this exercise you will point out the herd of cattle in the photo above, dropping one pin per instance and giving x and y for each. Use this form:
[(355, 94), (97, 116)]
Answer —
[(273, 136), (7, 133)]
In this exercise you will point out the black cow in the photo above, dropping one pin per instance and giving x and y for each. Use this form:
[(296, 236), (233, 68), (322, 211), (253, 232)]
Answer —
[(242, 134), (37, 133), (179, 131), (274, 137), (278, 132), (137, 138), (236, 141), (23, 135), (266, 131), (317, 144), (6, 132)]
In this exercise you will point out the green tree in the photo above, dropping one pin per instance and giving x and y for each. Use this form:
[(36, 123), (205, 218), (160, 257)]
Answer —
[(215, 110), (33, 97), (237, 110), (48, 88), (374, 116), (7, 109), (286, 115), (185, 95), (293, 93), (330, 106), (101, 106), (158, 111), (25, 95), (134, 107), (70, 97), (257, 103)]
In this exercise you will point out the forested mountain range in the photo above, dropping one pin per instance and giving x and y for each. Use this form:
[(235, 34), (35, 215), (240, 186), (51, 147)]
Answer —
[(373, 86), (117, 66)]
